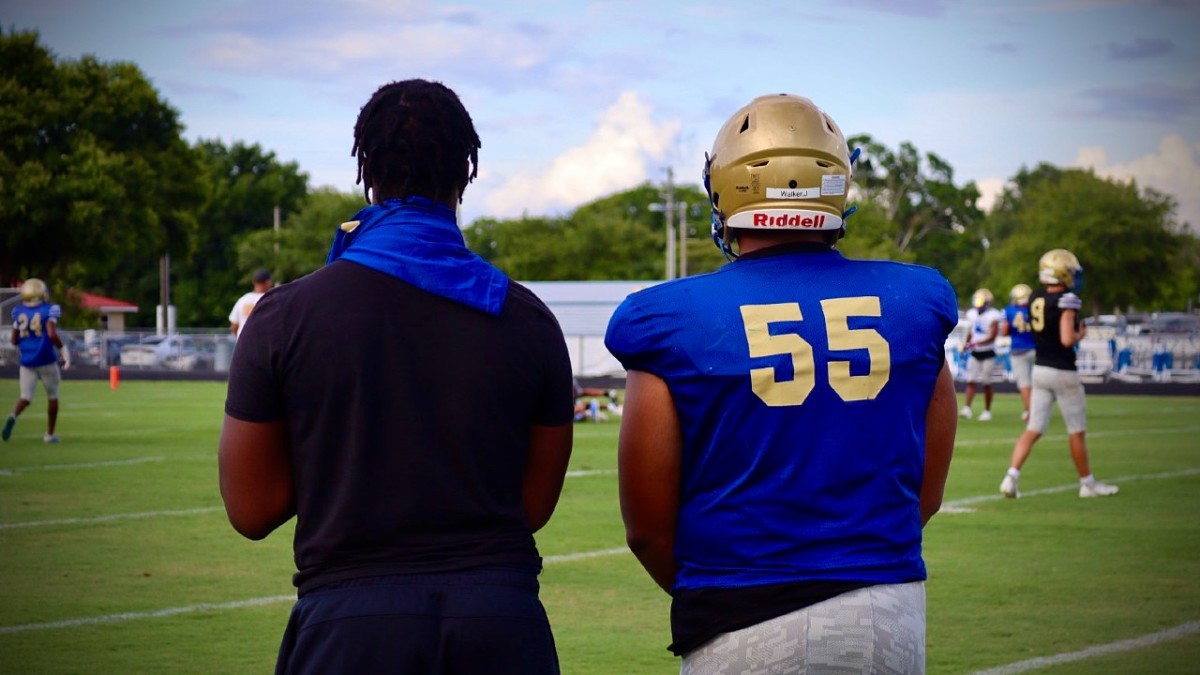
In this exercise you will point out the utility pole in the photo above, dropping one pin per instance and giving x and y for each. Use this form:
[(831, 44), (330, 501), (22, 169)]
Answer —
[(669, 212), (683, 239), (165, 316), (276, 223)]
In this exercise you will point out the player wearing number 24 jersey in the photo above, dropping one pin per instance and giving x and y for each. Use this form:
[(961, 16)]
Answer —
[(788, 420)]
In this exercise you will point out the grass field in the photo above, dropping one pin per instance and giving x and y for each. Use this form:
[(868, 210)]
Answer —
[(116, 557)]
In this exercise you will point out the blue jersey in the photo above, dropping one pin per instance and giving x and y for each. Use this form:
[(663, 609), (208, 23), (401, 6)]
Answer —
[(1019, 328), (801, 381), (32, 338)]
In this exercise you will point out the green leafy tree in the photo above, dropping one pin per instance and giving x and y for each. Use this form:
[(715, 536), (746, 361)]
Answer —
[(96, 181), (621, 236), (1133, 252), (304, 237), (911, 209), (246, 184)]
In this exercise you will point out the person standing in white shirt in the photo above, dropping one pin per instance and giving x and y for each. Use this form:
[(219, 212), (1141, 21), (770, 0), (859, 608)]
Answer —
[(985, 326), (245, 304)]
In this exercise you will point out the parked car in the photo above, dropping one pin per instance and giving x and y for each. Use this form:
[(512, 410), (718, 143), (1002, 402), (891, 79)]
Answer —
[(160, 351), (97, 351)]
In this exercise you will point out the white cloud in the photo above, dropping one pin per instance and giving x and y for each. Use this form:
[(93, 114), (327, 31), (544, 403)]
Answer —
[(1175, 170), (989, 192), (621, 152)]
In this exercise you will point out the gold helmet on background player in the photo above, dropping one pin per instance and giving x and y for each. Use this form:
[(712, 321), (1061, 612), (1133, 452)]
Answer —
[(779, 163), (34, 292), (1020, 294), (1060, 266), (982, 298)]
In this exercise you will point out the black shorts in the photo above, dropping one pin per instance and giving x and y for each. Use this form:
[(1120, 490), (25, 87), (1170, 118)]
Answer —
[(489, 622)]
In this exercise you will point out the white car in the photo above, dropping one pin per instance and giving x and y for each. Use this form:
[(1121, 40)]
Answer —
[(159, 351)]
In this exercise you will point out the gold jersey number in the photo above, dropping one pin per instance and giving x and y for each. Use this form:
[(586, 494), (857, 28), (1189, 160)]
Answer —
[(756, 320), (26, 325), (1037, 314)]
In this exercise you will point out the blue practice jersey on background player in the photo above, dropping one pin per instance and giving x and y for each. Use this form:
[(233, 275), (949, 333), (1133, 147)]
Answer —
[(32, 338), (791, 373), (1019, 328)]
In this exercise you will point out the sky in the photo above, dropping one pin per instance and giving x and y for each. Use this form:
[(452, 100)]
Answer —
[(577, 99)]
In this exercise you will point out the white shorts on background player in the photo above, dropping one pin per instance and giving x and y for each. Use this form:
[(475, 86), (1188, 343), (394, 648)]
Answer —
[(979, 371), (1064, 386)]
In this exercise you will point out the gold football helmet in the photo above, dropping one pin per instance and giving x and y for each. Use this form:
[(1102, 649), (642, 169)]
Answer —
[(778, 163), (1060, 266), (1020, 294), (982, 298), (34, 292)]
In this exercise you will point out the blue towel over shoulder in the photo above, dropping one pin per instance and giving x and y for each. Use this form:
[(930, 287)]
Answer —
[(418, 241)]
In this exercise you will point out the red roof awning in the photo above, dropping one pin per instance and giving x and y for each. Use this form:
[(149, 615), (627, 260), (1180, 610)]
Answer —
[(100, 303)]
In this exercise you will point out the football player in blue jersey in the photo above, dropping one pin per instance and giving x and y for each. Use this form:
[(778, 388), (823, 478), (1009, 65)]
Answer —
[(1020, 335), (789, 419), (1057, 329), (35, 334)]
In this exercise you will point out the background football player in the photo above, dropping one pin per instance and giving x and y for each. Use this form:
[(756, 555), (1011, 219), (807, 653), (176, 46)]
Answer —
[(35, 334), (1020, 333), (981, 346), (1054, 318), (789, 419)]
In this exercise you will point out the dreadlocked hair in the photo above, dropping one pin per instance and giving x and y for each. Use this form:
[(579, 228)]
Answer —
[(415, 138)]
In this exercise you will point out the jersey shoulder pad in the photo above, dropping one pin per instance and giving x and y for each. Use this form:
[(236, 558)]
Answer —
[(1070, 301)]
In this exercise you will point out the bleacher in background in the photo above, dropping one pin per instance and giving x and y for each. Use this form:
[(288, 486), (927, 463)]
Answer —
[(1130, 359)]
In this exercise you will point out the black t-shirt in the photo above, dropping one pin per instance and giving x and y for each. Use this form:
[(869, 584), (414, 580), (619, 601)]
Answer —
[(408, 416), (1045, 317)]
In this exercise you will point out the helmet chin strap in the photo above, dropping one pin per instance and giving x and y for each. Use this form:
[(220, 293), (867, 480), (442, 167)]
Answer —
[(718, 218)]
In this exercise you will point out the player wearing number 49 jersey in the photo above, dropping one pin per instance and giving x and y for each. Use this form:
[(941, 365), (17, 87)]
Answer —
[(773, 463)]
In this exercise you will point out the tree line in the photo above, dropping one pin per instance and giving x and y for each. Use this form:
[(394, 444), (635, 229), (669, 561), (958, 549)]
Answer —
[(97, 184)]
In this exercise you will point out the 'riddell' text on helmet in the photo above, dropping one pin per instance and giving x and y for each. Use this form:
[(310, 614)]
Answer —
[(779, 162), (803, 220)]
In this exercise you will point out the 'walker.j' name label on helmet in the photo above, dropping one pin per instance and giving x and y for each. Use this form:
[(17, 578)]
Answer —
[(785, 219)]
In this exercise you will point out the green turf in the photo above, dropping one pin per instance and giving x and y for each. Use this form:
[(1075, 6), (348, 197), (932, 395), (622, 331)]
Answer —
[(115, 556)]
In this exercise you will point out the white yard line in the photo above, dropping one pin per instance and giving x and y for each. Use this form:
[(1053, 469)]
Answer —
[(238, 604), (110, 518), (591, 472), (1181, 631), (953, 506), (1091, 435), (957, 505), (86, 465), (155, 614)]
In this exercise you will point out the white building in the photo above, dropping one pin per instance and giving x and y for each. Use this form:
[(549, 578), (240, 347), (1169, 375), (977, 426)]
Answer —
[(583, 309)]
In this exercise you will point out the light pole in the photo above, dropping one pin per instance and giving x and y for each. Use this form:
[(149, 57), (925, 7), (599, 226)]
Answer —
[(668, 209)]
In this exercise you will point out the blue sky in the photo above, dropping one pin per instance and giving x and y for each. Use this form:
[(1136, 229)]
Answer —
[(576, 100)]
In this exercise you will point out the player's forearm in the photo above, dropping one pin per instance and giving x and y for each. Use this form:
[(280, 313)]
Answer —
[(657, 556), (941, 425)]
